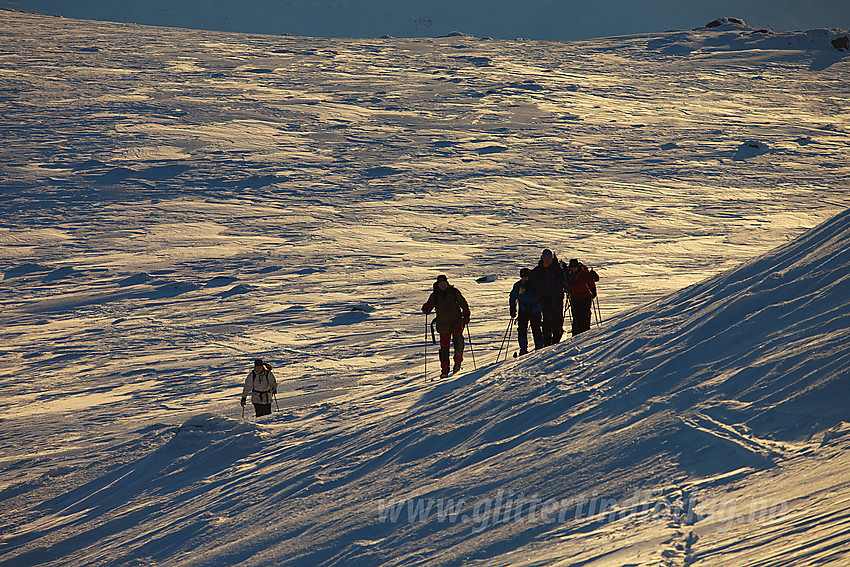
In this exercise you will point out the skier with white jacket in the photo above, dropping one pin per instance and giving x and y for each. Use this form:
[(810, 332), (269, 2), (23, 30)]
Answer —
[(262, 385)]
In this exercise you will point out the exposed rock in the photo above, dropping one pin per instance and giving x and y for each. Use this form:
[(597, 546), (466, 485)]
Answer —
[(723, 21), (841, 43)]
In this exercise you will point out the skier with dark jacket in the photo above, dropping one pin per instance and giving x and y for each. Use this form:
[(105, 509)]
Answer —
[(581, 283), (524, 297), (452, 315), (549, 283), (262, 385)]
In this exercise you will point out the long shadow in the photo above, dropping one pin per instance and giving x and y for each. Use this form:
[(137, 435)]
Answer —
[(202, 447)]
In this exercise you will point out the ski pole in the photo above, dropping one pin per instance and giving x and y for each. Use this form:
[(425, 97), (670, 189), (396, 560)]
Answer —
[(597, 311), (243, 413), (426, 347), (475, 366), (274, 397), (504, 338)]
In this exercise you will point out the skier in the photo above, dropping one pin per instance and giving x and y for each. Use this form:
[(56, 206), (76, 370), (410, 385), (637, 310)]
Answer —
[(581, 283), (452, 315), (549, 282), (262, 384), (529, 312)]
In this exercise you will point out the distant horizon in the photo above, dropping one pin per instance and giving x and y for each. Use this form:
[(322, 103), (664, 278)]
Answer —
[(544, 20)]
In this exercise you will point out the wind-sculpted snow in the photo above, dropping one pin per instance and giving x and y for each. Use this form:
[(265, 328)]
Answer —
[(98, 514), (627, 428), (767, 339), (176, 203)]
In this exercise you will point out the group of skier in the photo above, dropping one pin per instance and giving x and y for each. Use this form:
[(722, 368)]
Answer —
[(536, 300)]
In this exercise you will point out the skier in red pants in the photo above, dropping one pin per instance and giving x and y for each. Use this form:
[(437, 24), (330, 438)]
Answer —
[(452, 315)]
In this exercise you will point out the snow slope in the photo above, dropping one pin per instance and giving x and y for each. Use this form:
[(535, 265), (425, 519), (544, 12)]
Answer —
[(610, 448), (177, 202), (506, 19)]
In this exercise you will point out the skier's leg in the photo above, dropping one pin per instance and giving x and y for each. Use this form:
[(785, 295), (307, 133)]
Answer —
[(558, 323), (262, 409), (522, 332), (445, 341), (586, 315), (581, 315), (547, 318), (458, 344), (536, 330)]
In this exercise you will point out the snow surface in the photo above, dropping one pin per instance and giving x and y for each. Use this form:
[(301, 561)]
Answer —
[(505, 19), (177, 202)]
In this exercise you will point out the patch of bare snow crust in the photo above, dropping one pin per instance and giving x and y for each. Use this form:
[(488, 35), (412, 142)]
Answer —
[(176, 203)]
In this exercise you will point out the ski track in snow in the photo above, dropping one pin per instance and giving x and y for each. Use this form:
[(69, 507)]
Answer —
[(177, 202)]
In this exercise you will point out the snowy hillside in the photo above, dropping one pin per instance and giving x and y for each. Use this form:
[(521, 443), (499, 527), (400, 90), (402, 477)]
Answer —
[(176, 203), (504, 19), (683, 428)]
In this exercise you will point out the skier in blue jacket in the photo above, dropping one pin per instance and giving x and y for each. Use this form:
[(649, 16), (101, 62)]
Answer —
[(525, 306)]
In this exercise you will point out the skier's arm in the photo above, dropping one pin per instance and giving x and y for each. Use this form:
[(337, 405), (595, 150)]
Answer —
[(249, 385), (513, 299), (464, 307), (428, 305)]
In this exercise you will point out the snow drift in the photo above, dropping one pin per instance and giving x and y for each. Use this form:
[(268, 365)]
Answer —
[(717, 381)]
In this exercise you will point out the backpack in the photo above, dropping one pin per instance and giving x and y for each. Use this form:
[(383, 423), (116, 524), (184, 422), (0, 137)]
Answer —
[(266, 366)]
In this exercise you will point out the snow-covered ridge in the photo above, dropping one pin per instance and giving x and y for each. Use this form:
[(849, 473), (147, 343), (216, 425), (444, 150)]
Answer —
[(726, 35), (758, 344)]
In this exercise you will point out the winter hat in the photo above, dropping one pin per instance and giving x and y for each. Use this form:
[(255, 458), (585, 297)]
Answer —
[(573, 262), (258, 362), (547, 254), (442, 278), (524, 272)]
